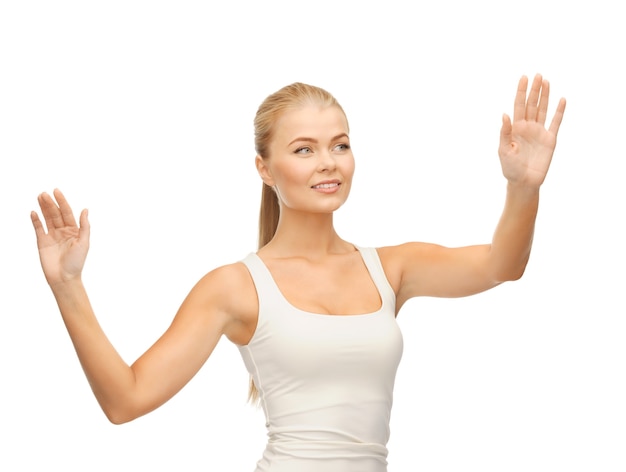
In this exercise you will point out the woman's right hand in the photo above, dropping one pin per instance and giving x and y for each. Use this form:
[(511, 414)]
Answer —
[(63, 248)]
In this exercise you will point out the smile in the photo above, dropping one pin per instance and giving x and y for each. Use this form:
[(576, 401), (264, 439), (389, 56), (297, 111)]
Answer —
[(325, 186)]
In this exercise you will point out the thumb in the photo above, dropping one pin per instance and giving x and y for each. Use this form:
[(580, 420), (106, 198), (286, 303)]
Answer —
[(85, 229), (505, 131)]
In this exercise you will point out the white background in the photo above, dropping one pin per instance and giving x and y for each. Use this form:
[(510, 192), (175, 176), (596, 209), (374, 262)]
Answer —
[(142, 112)]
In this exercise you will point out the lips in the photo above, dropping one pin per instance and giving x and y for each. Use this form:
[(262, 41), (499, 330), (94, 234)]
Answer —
[(329, 184), (326, 186)]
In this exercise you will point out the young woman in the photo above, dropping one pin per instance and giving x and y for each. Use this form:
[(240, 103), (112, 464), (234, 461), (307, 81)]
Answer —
[(313, 315)]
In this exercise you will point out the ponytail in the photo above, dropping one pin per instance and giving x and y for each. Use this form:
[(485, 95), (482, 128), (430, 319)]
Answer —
[(268, 221), (268, 217)]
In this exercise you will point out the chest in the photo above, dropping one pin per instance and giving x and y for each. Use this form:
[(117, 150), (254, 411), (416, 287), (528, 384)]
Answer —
[(343, 286)]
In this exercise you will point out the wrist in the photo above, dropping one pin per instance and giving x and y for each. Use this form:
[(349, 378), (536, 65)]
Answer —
[(66, 286), (522, 189)]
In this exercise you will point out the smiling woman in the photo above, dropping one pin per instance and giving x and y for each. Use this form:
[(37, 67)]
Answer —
[(313, 315)]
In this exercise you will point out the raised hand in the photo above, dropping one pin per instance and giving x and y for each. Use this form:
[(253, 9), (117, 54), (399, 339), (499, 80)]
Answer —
[(63, 248), (526, 146)]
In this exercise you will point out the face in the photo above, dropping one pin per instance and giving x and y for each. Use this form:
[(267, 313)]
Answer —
[(310, 163)]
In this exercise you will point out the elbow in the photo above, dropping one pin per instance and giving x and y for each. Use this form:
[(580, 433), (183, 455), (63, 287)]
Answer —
[(123, 408), (510, 275), (509, 271), (117, 417), (118, 414), (118, 420), (518, 272), (506, 272), (516, 276)]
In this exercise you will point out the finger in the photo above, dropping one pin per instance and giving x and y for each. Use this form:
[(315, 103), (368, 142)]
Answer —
[(558, 117), (50, 211), (505, 130), (533, 98), (519, 107), (85, 228), (542, 110), (39, 229), (64, 208)]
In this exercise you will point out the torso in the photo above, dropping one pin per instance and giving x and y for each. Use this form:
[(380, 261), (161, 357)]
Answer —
[(336, 285), (323, 358)]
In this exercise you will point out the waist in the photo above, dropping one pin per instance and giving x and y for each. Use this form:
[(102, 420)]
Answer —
[(367, 456)]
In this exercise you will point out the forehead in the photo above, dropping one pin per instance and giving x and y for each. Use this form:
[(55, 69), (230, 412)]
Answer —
[(311, 122)]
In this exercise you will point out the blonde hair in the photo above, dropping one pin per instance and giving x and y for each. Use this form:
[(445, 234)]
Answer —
[(290, 97)]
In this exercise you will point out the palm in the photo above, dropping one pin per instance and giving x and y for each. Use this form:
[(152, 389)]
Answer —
[(63, 248), (526, 146)]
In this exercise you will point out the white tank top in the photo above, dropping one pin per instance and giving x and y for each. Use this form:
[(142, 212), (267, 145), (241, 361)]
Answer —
[(325, 381)]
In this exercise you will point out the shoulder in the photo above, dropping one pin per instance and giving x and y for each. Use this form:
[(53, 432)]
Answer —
[(230, 286), (229, 291), (396, 257), (406, 263), (397, 254)]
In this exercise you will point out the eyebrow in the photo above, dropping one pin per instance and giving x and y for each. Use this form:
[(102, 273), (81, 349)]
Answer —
[(312, 140)]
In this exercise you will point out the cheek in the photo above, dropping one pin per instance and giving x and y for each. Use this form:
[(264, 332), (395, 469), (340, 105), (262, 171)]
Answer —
[(348, 168), (287, 175)]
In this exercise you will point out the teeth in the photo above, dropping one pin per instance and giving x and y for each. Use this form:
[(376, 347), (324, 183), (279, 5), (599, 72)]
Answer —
[(325, 185)]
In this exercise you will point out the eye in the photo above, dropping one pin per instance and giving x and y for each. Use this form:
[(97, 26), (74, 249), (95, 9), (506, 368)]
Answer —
[(342, 147), (303, 150)]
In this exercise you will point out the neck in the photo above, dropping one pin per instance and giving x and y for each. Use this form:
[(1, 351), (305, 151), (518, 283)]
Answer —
[(309, 235)]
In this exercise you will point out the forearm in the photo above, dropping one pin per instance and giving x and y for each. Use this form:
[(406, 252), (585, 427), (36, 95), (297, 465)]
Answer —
[(110, 378), (513, 237)]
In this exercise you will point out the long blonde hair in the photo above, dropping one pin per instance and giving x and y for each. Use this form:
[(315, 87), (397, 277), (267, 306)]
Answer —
[(294, 96)]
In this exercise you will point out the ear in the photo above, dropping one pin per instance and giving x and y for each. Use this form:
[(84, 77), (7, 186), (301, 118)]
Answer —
[(264, 171)]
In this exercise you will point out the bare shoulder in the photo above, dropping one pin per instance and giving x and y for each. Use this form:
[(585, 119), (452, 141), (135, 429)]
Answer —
[(231, 282), (396, 258), (412, 249), (229, 292), (410, 267)]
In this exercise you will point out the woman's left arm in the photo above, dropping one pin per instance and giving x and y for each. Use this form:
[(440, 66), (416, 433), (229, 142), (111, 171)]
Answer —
[(525, 151)]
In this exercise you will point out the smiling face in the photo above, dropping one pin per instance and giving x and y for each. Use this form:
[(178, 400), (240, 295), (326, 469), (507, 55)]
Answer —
[(310, 163)]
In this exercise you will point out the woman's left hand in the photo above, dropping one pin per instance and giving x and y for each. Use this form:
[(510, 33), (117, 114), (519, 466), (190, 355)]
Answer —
[(526, 146)]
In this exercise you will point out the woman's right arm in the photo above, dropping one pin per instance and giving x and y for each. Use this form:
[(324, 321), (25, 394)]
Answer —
[(126, 392)]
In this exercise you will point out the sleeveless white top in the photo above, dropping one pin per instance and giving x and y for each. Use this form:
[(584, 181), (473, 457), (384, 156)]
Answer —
[(325, 381)]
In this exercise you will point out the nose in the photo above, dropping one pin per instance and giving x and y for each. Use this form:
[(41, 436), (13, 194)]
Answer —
[(327, 162)]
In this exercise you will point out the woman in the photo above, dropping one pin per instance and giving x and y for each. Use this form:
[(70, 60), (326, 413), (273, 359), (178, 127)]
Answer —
[(313, 315)]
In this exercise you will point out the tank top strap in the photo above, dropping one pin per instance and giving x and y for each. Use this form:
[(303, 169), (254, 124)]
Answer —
[(262, 277), (375, 268)]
